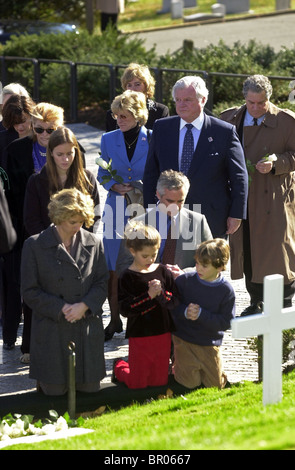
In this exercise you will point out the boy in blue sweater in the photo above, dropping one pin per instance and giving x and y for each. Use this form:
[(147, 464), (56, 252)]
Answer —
[(205, 312)]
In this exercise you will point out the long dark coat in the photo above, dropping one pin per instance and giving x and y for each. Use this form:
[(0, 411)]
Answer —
[(271, 197), (51, 278)]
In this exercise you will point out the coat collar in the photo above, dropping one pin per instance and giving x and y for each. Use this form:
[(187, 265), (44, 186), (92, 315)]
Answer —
[(49, 240), (270, 119)]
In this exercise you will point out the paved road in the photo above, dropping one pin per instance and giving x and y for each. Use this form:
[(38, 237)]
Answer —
[(275, 30)]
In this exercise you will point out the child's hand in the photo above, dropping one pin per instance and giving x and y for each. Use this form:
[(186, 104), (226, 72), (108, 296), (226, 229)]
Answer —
[(192, 311), (155, 288)]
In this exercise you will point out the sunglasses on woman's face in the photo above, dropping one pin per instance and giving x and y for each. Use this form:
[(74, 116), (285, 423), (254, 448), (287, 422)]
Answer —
[(40, 130)]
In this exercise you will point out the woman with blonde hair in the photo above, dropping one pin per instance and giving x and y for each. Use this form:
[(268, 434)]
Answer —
[(64, 282), (127, 149), (138, 77)]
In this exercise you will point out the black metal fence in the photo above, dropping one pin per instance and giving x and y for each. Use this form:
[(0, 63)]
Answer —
[(113, 72)]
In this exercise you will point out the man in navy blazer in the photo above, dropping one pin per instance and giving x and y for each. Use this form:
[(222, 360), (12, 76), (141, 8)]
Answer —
[(217, 173)]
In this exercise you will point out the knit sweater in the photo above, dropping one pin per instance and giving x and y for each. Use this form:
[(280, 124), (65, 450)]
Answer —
[(146, 316), (217, 302)]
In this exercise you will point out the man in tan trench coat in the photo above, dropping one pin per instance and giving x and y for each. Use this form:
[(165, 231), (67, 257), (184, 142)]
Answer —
[(265, 242)]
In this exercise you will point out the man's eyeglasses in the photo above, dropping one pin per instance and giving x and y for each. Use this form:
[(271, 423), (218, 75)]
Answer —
[(40, 130)]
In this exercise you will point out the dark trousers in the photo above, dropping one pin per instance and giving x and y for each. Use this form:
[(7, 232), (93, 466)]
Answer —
[(255, 290), (11, 298), (107, 18)]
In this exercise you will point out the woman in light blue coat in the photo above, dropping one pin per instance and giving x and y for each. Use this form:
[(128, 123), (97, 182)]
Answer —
[(124, 152)]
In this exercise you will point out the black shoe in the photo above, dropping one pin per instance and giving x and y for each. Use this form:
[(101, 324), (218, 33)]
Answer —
[(114, 379), (252, 309), (109, 332), (8, 346)]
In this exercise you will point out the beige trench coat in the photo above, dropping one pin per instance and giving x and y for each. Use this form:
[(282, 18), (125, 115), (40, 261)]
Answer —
[(271, 200)]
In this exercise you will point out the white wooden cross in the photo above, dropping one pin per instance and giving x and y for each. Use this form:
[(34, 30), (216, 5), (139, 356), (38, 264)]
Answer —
[(270, 324)]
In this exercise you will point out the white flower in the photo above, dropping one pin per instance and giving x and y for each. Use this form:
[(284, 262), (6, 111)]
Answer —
[(4, 430), (292, 84), (61, 424), (102, 163), (48, 429), (272, 158), (17, 429)]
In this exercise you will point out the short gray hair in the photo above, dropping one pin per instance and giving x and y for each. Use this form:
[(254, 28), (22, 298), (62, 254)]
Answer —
[(257, 84), (196, 82), (173, 181)]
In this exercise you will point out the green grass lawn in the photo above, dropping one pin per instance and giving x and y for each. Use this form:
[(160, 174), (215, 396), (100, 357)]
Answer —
[(207, 419), (143, 13)]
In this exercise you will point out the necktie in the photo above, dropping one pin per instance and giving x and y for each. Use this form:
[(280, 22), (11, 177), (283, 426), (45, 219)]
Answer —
[(187, 150), (170, 246), (255, 122)]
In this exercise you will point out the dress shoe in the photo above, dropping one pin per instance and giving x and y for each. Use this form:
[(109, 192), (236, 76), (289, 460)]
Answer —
[(252, 309), (114, 379), (110, 331)]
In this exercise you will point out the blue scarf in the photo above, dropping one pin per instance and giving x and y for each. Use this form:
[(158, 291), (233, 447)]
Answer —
[(39, 156)]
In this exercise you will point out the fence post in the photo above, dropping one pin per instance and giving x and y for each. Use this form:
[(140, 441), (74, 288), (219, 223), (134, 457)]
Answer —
[(36, 92), (74, 93), (72, 381)]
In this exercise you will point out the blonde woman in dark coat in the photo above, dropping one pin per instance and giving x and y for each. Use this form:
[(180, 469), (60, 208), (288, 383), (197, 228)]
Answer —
[(64, 281)]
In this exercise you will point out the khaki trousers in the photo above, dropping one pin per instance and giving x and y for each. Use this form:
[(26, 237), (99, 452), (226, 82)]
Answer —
[(195, 365)]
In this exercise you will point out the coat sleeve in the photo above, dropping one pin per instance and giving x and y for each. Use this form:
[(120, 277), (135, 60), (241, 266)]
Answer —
[(97, 294), (47, 305), (238, 177), (151, 172), (7, 232), (105, 154), (32, 208)]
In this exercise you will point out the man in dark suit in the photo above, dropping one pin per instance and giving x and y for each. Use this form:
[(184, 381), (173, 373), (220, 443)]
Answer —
[(217, 170)]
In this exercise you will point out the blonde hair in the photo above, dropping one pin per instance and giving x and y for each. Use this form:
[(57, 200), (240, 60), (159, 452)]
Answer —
[(215, 252), (134, 102), (69, 203), (142, 73), (138, 235), (48, 112), (76, 176)]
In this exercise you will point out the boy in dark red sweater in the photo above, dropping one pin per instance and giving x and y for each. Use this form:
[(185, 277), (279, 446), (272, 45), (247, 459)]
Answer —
[(207, 306)]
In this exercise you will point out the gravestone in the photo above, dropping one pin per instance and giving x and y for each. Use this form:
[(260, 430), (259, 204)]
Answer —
[(283, 4), (218, 11), (167, 8), (236, 6), (176, 9), (270, 324)]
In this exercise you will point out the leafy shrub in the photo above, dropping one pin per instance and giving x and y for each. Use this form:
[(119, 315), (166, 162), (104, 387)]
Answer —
[(235, 62), (93, 82)]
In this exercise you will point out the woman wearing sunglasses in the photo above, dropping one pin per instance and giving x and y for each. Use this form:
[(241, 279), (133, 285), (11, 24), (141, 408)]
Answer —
[(25, 156)]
